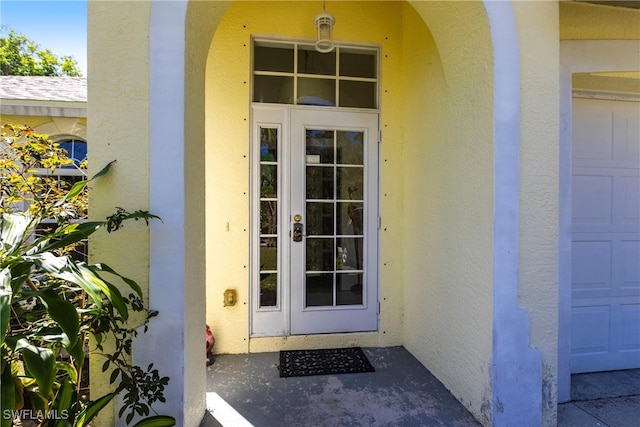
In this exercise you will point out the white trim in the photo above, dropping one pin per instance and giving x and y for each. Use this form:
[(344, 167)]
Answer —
[(270, 321), (167, 288), (578, 56), (347, 318), (295, 45), (564, 239), (64, 137), (265, 38), (20, 107), (516, 375), (609, 96), (589, 56), (277, 321)]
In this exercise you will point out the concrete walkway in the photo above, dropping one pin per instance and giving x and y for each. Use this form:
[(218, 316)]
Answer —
[(402, 392), (246, 390), (603, 399)]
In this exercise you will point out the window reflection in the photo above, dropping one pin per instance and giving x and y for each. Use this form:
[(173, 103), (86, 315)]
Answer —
[(268, 253), (319, 291), (314, 78), (350, 148)]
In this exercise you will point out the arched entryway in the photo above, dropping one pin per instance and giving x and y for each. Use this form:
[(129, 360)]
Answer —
[(428, 214)]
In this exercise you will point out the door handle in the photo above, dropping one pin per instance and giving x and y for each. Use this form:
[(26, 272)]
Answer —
[(297, 232)]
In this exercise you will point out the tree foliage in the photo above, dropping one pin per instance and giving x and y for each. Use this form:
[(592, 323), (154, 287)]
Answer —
[(51, 302), (20, 56)]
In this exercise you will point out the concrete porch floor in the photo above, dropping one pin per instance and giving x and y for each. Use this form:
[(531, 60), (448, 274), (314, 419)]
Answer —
[(246, 389), (603, 399)]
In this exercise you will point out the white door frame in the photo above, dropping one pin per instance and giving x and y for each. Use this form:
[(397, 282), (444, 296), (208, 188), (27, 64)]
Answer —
[(345, 318), (278, 320), (578, 56)]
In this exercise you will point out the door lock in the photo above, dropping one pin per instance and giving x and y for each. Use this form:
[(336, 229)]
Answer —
[(297, 232)]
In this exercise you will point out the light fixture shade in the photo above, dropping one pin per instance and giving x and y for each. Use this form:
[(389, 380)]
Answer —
[(324, 24)]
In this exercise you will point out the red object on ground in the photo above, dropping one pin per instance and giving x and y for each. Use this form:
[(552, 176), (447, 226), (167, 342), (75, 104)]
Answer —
[(210, 340)]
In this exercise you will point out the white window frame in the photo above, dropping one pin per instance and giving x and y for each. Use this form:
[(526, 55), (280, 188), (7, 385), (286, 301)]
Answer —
[(295, 44)]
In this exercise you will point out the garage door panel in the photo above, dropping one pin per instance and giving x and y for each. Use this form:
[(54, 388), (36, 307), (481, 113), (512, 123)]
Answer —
[(593, 135), (630, 339), (630, 266), (605, 267), (591, 275), (593, 335), (626, 135), (605, 330), (605, 336), (630, 215), (592, 198), (604, 361)]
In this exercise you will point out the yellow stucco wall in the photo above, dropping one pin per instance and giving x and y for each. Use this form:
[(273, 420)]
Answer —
[(227, 158), (52, 126), (436, 167), (118, 94), (584, 21), (198, 37), (32, 121), (448, 196), (539, 183), (604, 83), (580, 21)]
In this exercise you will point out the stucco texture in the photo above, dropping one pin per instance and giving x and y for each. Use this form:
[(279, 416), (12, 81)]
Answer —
[(539, 166), (448, 197), (580, 21), (435, 168), (437, 178), (584, 21), (119, 117), (227, 157), (55, 127)]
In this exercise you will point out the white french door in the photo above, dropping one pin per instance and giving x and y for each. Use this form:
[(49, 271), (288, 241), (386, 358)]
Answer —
[(314, 255)]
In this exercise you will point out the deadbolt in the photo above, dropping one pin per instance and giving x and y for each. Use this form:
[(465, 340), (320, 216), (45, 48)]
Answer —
[(297, 217), (297, 232)]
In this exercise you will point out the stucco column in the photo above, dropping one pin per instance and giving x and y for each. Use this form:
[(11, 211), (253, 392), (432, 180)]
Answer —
[(174, 351), (516, 377), (564, 240)]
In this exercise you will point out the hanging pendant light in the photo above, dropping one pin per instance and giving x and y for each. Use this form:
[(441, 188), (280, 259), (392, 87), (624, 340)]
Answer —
[(324, 25)]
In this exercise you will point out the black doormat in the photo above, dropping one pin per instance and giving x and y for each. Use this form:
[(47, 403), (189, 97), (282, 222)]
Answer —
[(302, 363)]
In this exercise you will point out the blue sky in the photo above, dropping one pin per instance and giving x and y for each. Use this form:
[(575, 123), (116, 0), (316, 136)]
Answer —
[(60, 26)]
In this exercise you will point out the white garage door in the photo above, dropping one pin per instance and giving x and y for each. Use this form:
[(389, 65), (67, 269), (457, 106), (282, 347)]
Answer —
[(606, 235)]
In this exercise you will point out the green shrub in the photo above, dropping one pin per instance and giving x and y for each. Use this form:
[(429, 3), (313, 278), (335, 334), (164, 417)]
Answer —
[(52, 301)]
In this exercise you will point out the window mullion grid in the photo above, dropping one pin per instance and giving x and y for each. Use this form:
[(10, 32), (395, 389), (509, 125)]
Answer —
[(335, 216), (295, 74), (337, 76), (358, 79), (262, 235)]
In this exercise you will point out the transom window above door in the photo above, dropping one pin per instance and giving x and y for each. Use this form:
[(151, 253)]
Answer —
[(295, 73)]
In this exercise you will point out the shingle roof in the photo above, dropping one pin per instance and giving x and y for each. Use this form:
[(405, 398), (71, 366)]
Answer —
[(36, 88)]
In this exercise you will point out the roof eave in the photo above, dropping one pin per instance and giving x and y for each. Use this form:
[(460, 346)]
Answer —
[(27, 107)]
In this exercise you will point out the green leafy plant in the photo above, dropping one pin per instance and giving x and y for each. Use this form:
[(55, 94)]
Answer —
[(20, 56), (51, 301)]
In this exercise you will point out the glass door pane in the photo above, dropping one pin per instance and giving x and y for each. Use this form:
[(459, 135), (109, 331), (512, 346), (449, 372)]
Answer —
[(334, 208), (334, 199), (295, 73), (269, 203), (358, 63), (314, 221)]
